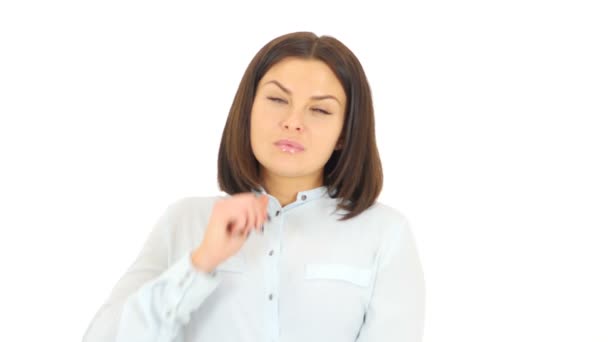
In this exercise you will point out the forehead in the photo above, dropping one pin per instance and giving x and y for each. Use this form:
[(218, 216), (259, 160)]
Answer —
[(307, 75)]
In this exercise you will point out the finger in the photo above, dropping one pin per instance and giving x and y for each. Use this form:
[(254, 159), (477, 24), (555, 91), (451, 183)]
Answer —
[(262, 211), (259, 219), (259, 214), (239, 224), (245, 220), (252, 215)]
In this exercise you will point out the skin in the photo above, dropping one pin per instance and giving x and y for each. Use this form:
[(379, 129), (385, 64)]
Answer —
[(299, 115)]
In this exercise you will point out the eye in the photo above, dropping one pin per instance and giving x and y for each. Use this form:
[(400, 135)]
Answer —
[(321, 111), (276, 99)]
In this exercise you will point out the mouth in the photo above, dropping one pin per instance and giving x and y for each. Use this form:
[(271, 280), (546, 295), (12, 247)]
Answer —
[(289, 146)]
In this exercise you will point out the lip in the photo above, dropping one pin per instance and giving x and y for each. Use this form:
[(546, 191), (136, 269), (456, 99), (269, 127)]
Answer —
[(289, 144)]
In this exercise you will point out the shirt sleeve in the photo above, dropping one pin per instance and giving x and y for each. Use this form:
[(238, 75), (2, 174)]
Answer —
[(397, 304), (153, 300)]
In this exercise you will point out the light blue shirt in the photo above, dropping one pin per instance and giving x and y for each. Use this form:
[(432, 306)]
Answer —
[(308, 277)]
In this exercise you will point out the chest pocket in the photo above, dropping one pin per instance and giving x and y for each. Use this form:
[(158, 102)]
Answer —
[(354, 275)]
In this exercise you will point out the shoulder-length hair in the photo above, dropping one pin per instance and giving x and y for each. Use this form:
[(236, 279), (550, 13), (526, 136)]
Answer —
[(353, 173)]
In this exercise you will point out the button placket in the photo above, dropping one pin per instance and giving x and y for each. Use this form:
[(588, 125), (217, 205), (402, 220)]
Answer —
[(271, 264)]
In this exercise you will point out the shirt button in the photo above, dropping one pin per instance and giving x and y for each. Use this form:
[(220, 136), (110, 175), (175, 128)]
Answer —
[(270, 296), (277, 213), (271, 252), (303, 197)]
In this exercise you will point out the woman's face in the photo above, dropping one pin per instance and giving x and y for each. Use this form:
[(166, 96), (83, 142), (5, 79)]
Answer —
[(300, 100)]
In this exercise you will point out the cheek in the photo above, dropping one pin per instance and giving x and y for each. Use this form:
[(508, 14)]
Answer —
[(263, 117), (258, 124), (256, 116), (325, 139)]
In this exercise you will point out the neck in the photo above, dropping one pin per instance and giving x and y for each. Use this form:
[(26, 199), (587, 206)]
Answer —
[(285, 189)]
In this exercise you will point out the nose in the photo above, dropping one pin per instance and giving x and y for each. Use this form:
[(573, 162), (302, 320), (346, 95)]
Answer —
[(293, 121)]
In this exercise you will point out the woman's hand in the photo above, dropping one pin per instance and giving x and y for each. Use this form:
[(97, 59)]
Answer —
[(230, 223)]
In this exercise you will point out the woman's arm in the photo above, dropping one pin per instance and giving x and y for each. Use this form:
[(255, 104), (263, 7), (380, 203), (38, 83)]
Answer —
[(153, 300), (397, 305)]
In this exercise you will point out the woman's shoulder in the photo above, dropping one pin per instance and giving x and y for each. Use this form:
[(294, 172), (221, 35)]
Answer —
[(392, 224), (387, 213)]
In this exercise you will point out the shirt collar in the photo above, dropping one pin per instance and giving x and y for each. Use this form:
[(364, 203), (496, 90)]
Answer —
[(302, 196)]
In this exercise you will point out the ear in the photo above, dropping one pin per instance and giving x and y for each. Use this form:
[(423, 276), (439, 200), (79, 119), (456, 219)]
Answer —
[(339, 144)]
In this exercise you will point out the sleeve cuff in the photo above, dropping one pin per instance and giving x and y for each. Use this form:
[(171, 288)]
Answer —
[(188, 287)]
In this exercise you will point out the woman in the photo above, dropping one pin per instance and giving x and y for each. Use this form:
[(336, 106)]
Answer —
[(300, 250)]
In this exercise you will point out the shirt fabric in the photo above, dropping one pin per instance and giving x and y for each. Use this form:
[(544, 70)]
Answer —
[(307, 277)]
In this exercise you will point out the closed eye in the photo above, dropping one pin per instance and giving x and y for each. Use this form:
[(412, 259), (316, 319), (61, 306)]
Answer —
[(276, 99), (279, 100), (321, 110)]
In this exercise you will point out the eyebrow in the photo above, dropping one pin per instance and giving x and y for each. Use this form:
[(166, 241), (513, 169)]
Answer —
[(318, 97)]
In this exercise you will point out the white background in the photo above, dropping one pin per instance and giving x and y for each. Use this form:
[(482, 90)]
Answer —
[(491, 123)]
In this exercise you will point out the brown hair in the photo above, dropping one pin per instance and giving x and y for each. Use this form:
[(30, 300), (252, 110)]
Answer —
[(352, 173)]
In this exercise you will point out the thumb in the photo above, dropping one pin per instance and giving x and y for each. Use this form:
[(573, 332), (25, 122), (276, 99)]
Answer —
[(265, 200)]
